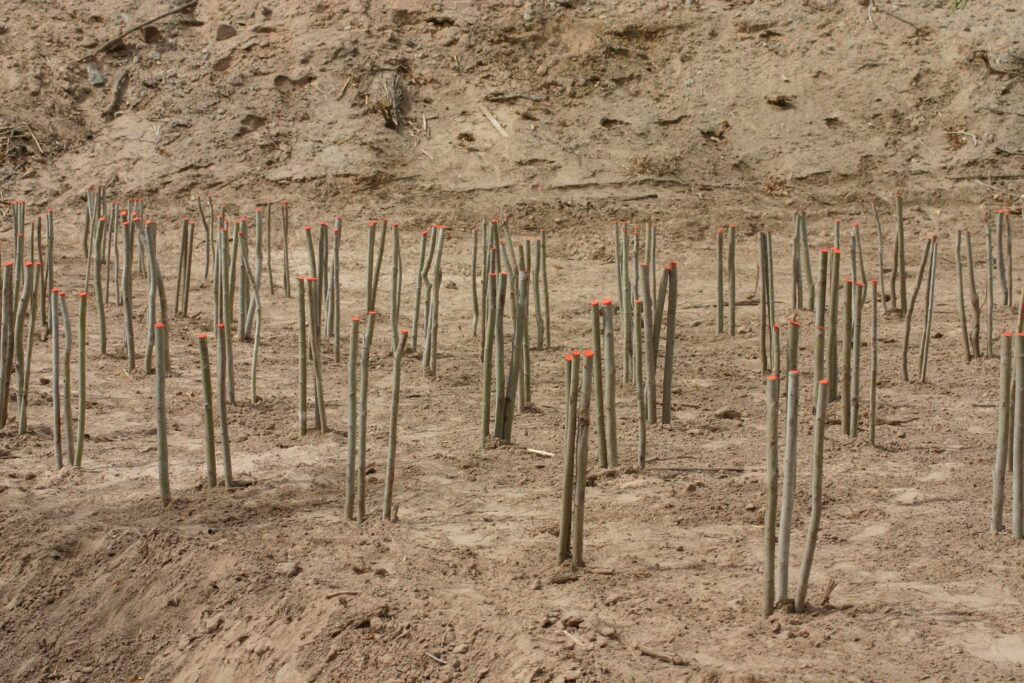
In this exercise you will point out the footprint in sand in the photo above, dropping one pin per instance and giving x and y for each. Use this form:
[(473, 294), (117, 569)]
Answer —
[(994, 647), (869, 532), (907, 497)]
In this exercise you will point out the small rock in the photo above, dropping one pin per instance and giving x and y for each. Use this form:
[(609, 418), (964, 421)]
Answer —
[(460, 649), (728, 414), (212, 624), (96, 78), (572, 620), (287, 569), (225, 31), (607, 632)]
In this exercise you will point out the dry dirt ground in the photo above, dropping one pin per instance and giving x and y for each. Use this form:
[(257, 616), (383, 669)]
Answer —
[(646, 111)]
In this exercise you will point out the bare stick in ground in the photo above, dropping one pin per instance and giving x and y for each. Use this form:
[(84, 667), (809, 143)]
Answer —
[(1018, 438), (908, 311), (926, 334), (303, 356), (161, 413), (858, 307), (873, 396), (69, 442), (396, 382), (881, 255), (488, 358), (353, 427), (788, 486), (960, 296), (720, 280), (975, 300), (222, 408), (364, 380), (80, 436), (638, 369), (771, 493), (670, 344), (611, 421), (58, 450), (989, 291), (817, 461), (572, 371), (204, 369), (602, 443), (582, 443), (732, 280), (999, 470)]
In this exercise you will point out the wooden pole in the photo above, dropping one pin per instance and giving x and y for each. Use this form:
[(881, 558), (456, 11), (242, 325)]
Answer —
[(771, 492)]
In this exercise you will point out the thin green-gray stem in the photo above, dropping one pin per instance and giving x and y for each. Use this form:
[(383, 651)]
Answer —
[(353, 426), (572, 372), (161, 413), (364, 380), (303, 360), (582, 444), (908, 311), (788, 486), (595, 323), (396, 382), (204, 369), (80, 436), (873, 397), (999, 469), (771, 492), (222, 408), (817, 461)]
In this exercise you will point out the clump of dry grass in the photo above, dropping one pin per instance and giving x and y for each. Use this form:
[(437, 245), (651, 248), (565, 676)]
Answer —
[(655, 164), (391, 97)]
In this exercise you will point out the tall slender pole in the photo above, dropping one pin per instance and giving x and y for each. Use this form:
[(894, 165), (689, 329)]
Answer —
[(771, 492), (222, 408), (364, 380), (817, 460), (161, 412), (999, 470), (572, 364), (582, 443), (788, 486), (204, 369), (353, 425), (80, 436), (1018, 437), (396, 381)]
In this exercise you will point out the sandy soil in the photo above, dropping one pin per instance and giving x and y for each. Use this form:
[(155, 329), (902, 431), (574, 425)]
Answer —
[(647, 111)]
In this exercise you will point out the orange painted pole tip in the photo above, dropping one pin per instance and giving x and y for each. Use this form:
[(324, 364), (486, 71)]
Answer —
[(575, 354), (201, 335), (773, 378), (835, 250), (858, 283), (606, 302), (355, 318), (588, 354), (823, 381), (794, 323), (82, 295), (371, 313), (159, 326), (595, 303), (403, 331), (794, 372), (567, 357), (1007, 334), (55, 290), (8, 264), (220, 326)]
